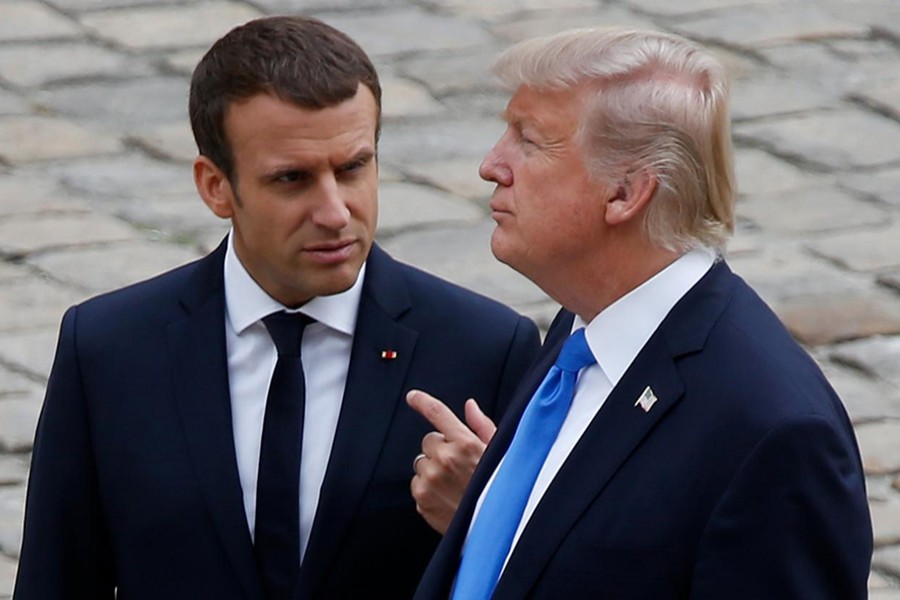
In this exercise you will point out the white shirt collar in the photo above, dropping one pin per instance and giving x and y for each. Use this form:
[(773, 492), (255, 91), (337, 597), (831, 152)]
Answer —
[(246, 302), (619, 332)]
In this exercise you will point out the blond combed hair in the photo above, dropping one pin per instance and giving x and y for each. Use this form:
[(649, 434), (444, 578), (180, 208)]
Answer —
[(656, 102)]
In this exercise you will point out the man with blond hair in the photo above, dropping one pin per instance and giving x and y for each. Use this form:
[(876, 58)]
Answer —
[(673, 440)]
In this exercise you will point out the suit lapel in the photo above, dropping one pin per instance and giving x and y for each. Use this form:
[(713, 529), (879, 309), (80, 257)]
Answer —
[(371, 397), (617, 430), (199, 363)]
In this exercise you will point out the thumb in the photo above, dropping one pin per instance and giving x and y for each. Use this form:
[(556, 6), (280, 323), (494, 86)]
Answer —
[(479, 422)]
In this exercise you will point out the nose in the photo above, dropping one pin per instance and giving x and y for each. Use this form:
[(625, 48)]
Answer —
[(331, 211), (495, 168)]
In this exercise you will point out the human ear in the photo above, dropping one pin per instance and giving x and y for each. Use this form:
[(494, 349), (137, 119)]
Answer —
[(631, 197), (214, 187)]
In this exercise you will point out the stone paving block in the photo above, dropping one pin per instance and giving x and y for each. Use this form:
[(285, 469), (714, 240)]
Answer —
[(409, 206), (405, 98), (886, 523), (32, 233), (30, 65), (883, 186), (16, 385), (839, 139), (11, 104), (783, 270), (531, 25), (831, 71), (34, 302), (859, 50), (502, 9), (885, 97), (408, 30), (403, 143), (892, 593), (768, 25), (173, 141), (475, 104), (879, 356), (818, 320), (759, 172), (27, 20), (30, 350), (177, 217), (7, 576), (457, 176), (866, 250), (85, 5), (21, 194), (676, 9), (18, 419), (111, 266), (12, 515), (26, 139), (184, 61), (13, 272), (13, 469), (753, 98), (810, 210), (152, 27), (122, 105), (887, 560), (872, 13), (453, 72), (462, 254), (879, 444), (276, 7), (890, 280), (132, 175), (865, 398), (877, 582)]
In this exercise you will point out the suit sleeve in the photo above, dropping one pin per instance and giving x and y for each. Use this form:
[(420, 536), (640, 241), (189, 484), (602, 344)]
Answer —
[(65, 550), (523, 349), (794, 523)]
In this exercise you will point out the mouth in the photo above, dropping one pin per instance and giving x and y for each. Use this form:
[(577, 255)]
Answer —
[(331, 252), (497, 210)]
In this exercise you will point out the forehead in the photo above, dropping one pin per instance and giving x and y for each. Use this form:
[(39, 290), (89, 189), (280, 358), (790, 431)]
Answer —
[(265, 127), (548, 110)]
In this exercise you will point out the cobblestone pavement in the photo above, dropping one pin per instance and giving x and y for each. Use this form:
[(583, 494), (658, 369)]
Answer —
[(96, 188)]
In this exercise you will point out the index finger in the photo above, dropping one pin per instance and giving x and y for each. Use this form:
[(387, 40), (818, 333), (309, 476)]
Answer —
[(437, 413)]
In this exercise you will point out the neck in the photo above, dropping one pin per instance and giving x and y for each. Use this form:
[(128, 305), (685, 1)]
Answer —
[(591, 291)]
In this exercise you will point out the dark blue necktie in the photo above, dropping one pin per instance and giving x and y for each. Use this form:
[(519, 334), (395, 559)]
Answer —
[(277, 536), (492, 534)]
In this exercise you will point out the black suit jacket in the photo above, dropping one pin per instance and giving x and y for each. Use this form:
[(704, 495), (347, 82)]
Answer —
[(742, 481), (134, 480)]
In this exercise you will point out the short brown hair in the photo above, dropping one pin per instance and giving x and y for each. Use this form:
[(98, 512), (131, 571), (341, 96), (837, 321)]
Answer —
[(298, 59)]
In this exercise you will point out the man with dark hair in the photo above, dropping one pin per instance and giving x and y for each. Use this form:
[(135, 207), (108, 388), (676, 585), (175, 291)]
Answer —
[(236, 428)]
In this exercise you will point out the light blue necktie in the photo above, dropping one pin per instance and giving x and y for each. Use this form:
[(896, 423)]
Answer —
[(491, 536)]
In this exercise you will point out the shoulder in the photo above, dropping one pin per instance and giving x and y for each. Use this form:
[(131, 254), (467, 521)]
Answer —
[(149, 304)]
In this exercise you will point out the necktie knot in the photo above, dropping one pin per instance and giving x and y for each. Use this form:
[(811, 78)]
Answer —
[(575, 354), (286, 330)]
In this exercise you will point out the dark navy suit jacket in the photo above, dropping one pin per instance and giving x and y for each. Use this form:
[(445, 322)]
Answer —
[(743, 481), (134, 482)]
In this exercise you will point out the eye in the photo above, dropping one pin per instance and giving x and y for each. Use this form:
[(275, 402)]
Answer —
[(292, 176)]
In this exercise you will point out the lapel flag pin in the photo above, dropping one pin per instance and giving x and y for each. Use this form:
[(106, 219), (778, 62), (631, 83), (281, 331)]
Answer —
[(388, 354), (646, 400)]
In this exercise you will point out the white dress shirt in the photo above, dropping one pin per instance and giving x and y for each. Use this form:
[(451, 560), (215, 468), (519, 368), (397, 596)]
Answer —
[(615, 337), (325, 352)]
